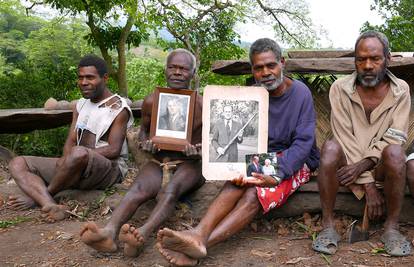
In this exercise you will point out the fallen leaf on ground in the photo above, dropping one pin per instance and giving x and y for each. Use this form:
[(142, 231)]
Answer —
[(262, 254), (105, 210), (297, 260)]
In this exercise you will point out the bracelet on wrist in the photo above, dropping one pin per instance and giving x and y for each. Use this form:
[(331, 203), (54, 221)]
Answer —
[(277, 179)]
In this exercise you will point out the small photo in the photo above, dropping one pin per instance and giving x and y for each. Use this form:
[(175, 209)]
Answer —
[(265, 163)]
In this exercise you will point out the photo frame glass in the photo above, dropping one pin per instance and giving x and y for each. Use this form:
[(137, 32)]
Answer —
[(172, 118)]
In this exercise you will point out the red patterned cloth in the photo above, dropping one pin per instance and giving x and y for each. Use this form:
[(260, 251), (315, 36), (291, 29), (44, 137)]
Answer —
[(273, 197)]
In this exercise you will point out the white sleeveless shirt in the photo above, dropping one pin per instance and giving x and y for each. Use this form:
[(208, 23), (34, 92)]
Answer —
[(97, 118)]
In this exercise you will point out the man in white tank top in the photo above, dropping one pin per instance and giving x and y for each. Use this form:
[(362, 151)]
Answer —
[(94, 153), (179, 71)]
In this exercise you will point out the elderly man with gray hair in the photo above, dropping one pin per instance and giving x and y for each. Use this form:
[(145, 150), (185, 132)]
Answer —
[(149, 184)]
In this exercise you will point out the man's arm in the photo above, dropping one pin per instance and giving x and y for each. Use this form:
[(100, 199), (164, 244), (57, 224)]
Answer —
[(296, 155), (116, 136), (71, 139), (397, 132)]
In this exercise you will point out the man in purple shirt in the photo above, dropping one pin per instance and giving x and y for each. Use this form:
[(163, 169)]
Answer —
[(292, 123)]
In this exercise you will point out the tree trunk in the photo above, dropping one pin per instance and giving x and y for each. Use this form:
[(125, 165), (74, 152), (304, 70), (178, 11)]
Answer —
[(122, 80), (196, 78)]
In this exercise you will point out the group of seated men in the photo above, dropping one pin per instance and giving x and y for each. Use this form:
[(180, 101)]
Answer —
[(369, 120)]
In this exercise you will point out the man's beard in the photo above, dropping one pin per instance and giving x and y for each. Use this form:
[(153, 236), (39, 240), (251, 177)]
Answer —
[(379, 76), (277, 82)]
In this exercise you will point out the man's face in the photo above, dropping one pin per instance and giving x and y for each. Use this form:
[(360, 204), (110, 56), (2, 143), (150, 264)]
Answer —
[(370, 62), (256, 160), (172, 107), (90, 83), (228, 112), (178, 71), (267, 71)]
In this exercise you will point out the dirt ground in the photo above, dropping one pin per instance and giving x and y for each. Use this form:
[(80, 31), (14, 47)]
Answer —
[(25, 240)]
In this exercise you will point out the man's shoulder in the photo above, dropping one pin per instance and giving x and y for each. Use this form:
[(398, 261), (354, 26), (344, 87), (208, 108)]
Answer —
[(301, 88)]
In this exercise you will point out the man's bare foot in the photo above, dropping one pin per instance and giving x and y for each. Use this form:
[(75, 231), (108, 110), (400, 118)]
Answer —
[(186, 242), (133, 240), (97, 238), (175, 257), (20, 202), (54, 212)]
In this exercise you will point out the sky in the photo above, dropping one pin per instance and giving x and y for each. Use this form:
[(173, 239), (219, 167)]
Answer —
[(342, 20)]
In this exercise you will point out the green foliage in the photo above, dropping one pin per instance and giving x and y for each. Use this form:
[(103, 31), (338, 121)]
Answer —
[(37, 143), (17, 220), (144, 74), (398, 25)]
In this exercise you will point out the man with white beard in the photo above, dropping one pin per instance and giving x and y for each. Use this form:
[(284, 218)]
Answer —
[(292, 123)]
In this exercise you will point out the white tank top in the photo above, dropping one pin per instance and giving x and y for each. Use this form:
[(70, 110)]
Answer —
[(97, 118)]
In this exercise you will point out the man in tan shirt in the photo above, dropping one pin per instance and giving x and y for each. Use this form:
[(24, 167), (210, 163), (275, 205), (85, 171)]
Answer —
[(369, 120)]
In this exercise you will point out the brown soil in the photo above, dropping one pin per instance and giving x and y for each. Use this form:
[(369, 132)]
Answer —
[(277, 242)]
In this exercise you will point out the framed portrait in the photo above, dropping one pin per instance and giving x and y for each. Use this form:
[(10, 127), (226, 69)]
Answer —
[(172, 118), (235, 124)]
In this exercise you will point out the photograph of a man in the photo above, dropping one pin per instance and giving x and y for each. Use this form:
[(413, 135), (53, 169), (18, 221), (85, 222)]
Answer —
[(227, 134), (174, 117), (254, 166)]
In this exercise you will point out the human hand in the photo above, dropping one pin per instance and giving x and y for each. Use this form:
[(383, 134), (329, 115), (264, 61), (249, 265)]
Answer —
[(239, 181), (374, 201), (260, 179), (192, 150), (348, 174), (150, 147), (220, 151), (240, 136)]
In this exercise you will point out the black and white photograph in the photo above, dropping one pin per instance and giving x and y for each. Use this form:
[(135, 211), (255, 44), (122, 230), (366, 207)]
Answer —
[(233, 129), (235, 121), (172, 115), (264, 163)]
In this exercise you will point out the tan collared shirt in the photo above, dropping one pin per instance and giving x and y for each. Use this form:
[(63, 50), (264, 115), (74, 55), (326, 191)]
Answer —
[(360, 138)]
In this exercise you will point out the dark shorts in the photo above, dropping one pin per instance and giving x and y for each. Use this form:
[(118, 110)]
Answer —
[(100, 172)]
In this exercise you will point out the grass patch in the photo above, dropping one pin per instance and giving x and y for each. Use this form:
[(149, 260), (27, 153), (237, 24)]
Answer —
[(17, 220)]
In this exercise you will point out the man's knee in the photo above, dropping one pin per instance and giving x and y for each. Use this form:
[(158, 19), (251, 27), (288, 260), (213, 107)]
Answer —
[(140, 191), (79, 155), (17, 165), (250, 200), (393, 156), (331, 152)]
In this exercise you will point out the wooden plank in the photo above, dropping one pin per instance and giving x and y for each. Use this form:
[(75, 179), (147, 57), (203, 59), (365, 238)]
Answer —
[(26, 120), (398, 65), (336, 54), (320, 54)]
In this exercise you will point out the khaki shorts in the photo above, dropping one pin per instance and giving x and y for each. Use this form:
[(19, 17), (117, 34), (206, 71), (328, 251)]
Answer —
[(100, 172)]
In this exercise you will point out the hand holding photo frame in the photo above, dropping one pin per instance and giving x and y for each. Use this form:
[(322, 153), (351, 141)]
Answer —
[(235, 123), (172, 118)]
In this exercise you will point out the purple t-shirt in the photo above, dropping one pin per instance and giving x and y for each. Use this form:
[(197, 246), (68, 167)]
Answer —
[(292, 123)]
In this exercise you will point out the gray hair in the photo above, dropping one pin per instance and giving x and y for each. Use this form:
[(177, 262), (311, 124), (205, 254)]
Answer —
[(375, 34), (183, 51), (263, 45)]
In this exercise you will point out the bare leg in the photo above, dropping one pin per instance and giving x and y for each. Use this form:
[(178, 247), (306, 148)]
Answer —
[(69, 171), (332, 158), (244, 212), (394, 172), (32, 185), (193, 242), (410, 176), (187, 177), (145, 187)]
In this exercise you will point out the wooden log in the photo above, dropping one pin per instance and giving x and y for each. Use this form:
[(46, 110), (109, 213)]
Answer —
[(320, 54), (26, 120), (336, 54), (400, 66)]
